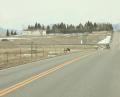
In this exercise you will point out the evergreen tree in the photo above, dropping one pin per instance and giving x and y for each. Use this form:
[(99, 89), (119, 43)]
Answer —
[(29, 27), (12, 33), (7, 33), (95, 26), (48, 27), (36, 26), (89, 27), (66, 28), (15, 33), (80, 28), (39, 26)]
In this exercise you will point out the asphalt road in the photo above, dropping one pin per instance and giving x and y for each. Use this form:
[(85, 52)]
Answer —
[(84, 74)]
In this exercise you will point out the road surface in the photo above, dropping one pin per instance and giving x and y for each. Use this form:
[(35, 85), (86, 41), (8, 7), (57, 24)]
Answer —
[(87, 74)]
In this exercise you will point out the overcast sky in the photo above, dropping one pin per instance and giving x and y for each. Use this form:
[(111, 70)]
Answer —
[(19, 13)]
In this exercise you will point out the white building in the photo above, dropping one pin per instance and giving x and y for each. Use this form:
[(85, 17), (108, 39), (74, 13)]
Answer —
[(35, 33)]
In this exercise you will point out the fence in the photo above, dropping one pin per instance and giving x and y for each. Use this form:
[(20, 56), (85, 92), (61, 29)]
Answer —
[(28, 53), (18, 52)]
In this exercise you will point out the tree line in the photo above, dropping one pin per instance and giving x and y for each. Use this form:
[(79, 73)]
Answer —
[(11, 33), (70, 28)]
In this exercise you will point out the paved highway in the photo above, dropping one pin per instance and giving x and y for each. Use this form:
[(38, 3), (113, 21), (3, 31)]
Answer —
[(86, 74)]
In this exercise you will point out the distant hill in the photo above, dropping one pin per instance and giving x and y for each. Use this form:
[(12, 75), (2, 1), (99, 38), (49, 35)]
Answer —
[(116, 27)]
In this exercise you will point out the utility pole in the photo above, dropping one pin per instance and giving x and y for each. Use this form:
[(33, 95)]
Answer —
[(7, 58), (36, 51), (31, 50), (20, 55)]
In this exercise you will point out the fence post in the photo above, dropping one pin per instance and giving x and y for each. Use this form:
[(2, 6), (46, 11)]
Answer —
[(7, 60), (36, 51), (43, 52), (20, 56), (31, 50)]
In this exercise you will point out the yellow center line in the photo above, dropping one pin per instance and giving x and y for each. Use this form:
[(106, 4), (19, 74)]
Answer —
[(35, 77)]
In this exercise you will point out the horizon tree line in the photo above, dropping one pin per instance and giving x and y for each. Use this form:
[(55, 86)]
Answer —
[(70, 28), (11, 33)]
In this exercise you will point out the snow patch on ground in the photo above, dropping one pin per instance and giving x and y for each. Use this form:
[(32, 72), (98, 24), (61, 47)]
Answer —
[(105, 41)]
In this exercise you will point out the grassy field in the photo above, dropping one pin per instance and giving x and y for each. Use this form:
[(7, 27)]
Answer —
[(32, 48)]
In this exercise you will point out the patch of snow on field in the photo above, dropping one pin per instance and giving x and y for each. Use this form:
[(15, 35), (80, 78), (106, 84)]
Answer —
[(26, 54), (12, 38), (105, 41), (52, 55)]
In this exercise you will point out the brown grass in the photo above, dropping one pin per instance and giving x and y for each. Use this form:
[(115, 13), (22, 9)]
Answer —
[(13, 53)]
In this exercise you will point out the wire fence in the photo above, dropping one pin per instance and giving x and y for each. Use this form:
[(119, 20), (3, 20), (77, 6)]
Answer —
[(29, 53), (23, 51)]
